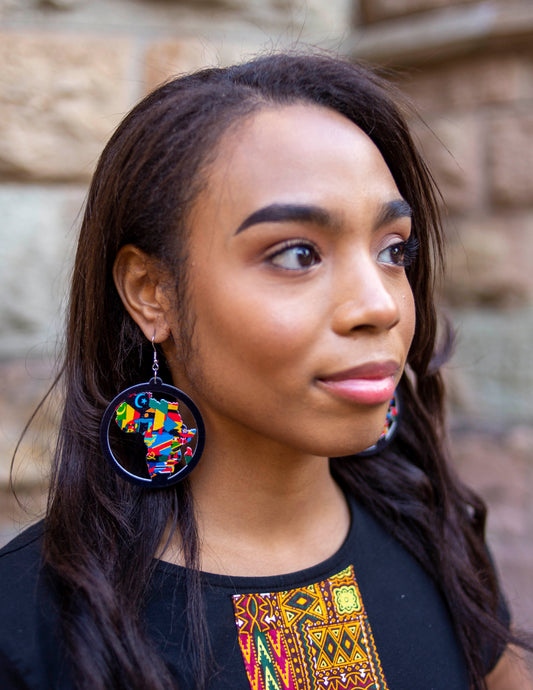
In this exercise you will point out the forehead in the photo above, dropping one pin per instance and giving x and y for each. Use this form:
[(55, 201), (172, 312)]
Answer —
[(294, 153)]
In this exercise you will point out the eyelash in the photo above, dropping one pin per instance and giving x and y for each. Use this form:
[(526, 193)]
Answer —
[(295, 244), (409, 249)]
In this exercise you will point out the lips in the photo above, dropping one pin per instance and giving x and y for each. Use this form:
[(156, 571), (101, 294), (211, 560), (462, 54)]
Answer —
[(372, 383)]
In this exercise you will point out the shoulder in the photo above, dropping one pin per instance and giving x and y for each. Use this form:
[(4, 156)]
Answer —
[(30, 647), (394, 581), (20, 563), (26, 545), (20, 573), (411, 624)]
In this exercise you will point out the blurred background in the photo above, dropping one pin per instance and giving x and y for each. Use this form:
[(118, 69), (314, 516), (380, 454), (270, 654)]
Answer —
[(70, 69)]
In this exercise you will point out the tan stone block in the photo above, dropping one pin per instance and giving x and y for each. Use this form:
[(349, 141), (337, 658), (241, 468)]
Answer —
[(172, 57), (510, 145), (505, 486), (489, 261), (453, 149), (470, 83), (502, 475), (378, 10), (37, 241), (60, 98), (492, 361), (23, 384), (327, 20)]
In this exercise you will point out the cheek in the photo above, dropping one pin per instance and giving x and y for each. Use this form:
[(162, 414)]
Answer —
[(237, 326), (408, 317)]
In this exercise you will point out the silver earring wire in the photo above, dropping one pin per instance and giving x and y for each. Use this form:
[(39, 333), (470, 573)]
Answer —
[(155, 365)]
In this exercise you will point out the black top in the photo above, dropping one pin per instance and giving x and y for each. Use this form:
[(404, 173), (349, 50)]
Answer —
[(368, 617)]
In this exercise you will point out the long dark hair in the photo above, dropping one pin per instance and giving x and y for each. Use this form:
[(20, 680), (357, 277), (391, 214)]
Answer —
[(101, 533)]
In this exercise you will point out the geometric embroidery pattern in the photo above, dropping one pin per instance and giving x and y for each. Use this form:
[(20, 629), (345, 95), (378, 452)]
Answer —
[(313, 638)]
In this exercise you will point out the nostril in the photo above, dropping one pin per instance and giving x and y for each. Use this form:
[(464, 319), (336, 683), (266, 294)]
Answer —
[(377, 312)]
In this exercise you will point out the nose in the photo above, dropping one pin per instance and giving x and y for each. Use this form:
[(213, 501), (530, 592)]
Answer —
[(365, 299)]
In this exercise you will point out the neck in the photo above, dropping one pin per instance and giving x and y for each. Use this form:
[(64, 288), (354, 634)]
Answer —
[(265, 511)]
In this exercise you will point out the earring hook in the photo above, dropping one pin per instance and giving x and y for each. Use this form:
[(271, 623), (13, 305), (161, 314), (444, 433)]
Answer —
[(155, 365)]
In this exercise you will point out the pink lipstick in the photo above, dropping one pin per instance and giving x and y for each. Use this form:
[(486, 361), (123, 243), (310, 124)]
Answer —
[(372, 383)]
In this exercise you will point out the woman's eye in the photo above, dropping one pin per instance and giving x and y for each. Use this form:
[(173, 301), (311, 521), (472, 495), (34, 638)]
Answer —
[(295, 257), (400, 254)]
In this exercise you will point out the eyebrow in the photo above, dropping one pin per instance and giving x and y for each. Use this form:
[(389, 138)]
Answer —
[(280, 213), (393, 210)]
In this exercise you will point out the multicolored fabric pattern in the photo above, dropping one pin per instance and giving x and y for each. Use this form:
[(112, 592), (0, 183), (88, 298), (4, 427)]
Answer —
[(313, 638), (162, 429)]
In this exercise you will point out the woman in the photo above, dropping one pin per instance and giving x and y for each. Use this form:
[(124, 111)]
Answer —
[(265, 238)]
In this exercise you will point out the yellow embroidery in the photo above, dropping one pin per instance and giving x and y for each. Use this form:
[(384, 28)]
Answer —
[(313, 638), (346, 599)]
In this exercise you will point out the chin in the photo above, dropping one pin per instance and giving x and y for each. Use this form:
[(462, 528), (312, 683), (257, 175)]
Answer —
[(340, 449), (347, 452), (345, 444)]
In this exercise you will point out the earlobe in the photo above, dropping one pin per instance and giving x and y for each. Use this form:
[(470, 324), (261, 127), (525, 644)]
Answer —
[(140, 282)]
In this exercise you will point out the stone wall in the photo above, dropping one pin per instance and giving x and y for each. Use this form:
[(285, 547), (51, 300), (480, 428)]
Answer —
[(72, 68)]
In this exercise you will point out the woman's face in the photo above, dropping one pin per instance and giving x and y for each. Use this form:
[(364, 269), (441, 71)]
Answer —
[(303, 315)]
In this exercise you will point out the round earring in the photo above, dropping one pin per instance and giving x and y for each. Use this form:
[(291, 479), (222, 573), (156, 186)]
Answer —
[(152, 433), (389, 431)]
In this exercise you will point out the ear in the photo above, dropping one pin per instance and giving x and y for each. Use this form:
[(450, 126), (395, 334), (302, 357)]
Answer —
[(140, 282)]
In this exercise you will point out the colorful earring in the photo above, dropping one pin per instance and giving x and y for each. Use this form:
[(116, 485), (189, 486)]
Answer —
[(389, 431), (152, 433)]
